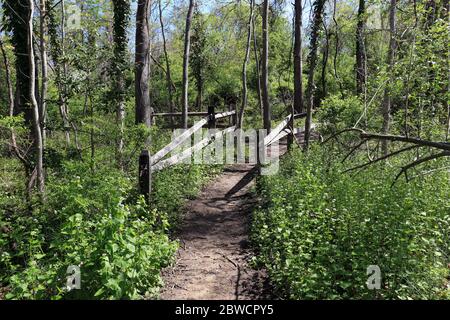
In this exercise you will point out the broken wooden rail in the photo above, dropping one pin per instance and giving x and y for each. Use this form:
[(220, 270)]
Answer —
[(149, 164)]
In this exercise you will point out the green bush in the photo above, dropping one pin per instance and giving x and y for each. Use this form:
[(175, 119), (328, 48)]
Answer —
[(89, 222), (338, 113), (320, 230)]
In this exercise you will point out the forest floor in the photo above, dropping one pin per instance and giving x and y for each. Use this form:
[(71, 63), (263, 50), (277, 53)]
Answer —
[(213, 261)]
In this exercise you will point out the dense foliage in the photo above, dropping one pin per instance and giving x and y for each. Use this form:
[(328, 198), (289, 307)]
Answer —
[(317, 229), (320, 229), (93, 219)]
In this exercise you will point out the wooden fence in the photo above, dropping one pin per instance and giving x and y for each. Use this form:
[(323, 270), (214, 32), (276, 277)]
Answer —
[(149, 164)]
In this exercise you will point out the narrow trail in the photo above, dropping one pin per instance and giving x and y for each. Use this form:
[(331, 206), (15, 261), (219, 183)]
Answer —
[(213, 259)]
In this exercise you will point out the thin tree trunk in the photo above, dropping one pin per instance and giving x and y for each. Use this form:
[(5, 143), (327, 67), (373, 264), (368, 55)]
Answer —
[(312, 60), (323, 91), (37, 133), (387, 100), (9, 85), (187, 46), (44, 70), (258, 73), (244, 67), (143, 112), (360, 44), (166, 58), (298, 66), (265, 67), (64, 108)]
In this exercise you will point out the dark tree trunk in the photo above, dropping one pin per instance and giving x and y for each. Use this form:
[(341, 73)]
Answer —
[(265, 67), (187, 46), (387, 100), (121, 16), (323, 78), (360, 45), (44, 68), (143, 112), (312, 62), (17, 12), (36, 132), (9, 85), (298, 66)]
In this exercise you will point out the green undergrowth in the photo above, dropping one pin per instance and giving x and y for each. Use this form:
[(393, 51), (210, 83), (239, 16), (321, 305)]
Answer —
[(93, 218), (320, 229)]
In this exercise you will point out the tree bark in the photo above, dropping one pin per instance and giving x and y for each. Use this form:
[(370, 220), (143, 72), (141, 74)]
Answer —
[(9, 85), (244, 67), (265, 67), (44, 69), (143, 112), (187, 46), (258, 72), (64, 108), (121, 13), (298, 67), (360, 44), (37, 133), (312, 61), (323, 78), (387, 100)]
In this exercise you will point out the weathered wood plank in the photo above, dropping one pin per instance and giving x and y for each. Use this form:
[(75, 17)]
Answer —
[(286, 131), (176, 114), (175, 159), (178, 140), (270, 137), (225, 114)]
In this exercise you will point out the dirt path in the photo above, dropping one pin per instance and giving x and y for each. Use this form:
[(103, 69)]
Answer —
[(212, 262)]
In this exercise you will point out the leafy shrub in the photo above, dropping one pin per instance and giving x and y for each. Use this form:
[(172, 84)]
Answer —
[(337, 113), (88, 222), (321, 229)]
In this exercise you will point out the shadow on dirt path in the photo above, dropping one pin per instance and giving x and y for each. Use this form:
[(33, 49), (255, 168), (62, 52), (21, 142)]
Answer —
[(213, 259)]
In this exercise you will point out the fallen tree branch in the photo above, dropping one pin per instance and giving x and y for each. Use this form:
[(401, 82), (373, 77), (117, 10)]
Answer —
[(382, 158), (419, 161)]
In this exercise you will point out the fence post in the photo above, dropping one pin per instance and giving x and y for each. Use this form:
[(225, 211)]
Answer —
[(290, 137), (145, 174), (211, 117), (234, 116)]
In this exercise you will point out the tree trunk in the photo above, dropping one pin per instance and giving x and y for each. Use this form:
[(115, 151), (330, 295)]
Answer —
[(44, 69), (258, 72), (323, 78), (143, 112), (312, 61), (387, 100), (244, 67), (9, 85), (360, 44), (298, 67), (187, 45), (37, 133), (166, 57), (121, 14), (64, 108), (265, 67)]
